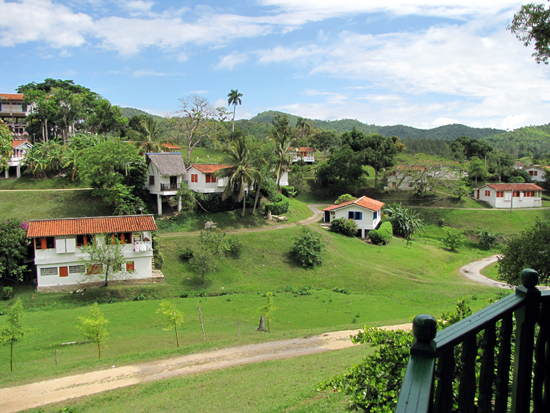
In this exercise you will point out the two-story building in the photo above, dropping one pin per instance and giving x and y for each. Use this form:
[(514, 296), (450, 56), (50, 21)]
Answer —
[(366, 212), (165, 173), (304, 152), (510, 195), (13, 112), (58, 247), (200, 178), (20, 149)]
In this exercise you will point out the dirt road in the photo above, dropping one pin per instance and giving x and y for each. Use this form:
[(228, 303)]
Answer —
[(28, 396)]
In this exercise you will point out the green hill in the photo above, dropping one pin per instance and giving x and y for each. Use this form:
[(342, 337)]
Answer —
[(532, 141), (129, 112)]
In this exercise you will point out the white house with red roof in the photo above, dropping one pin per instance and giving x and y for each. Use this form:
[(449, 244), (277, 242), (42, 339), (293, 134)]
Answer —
[(366, 212), (57, 247), (303, 152), (510, 195), (165, 173), (200, 178), (20, 149)]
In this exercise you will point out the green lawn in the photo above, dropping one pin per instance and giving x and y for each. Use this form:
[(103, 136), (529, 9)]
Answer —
[(204, 155), (269, 386), (491, 271), (51, 204), (26, 182)]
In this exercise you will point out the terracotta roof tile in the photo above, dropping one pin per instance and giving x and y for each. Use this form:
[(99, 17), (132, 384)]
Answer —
[(364, 202), (517, 187), (208, 168), (304, 149), (15, 144), (170, 146), (12, 96), (95, 225)]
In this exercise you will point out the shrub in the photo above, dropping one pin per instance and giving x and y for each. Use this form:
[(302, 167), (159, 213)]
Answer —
[(139, 297), (278, 208), (187, 253), (289, 191), (382, 235), (404, 221), (307, 248), (344, 198), (7, 293), (487, 239), (455, 238), (344, 226), (235, 248), (341, 290)]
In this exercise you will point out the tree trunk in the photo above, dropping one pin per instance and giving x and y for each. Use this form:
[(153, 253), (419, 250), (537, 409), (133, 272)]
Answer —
[(233, 126), (106, 277), (11, 356), (176, 328), (256, 199), (262, 324), (244, 205)]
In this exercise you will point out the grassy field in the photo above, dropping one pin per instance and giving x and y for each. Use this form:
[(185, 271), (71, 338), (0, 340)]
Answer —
[(491, 271), (51, 204), (26, 182), (270, 386)]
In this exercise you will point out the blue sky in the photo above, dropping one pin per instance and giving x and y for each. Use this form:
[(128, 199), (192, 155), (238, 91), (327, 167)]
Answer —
[(421, 63)]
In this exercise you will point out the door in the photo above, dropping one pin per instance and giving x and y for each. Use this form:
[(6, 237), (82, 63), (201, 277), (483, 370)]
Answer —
[(478, 194), (173, 182), (63, 271), (327, 216)]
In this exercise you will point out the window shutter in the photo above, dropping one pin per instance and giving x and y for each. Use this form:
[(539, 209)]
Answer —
[(350, 214)]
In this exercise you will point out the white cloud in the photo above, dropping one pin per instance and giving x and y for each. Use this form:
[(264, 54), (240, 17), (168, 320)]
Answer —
[(231, 60), (139, 5), (148, 72)]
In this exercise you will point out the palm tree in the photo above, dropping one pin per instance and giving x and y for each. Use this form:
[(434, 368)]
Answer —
[(147, 139), (304, 127), (234, 99), (242, 173), (283, 156)]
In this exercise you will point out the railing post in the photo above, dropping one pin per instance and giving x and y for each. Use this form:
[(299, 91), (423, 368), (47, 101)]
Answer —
[(526, 319), (416, 392)]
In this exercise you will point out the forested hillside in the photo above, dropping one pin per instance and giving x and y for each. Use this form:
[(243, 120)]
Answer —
[(532, 141), (129, 112)]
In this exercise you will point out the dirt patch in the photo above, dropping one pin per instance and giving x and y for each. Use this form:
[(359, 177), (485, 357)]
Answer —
[(32, 395)]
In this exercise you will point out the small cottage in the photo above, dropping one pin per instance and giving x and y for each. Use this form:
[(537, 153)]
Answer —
[(165, 172), (366, 212), (510, 195)]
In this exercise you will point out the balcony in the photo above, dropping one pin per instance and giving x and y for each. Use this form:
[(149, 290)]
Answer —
[(170, 187), (482, 378)]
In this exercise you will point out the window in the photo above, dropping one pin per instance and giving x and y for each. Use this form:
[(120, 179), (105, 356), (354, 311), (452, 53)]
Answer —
[(84, 240), (500, 194), (210, 179), (95, 269), (151, 179), (77, 269), (487, 193), (350, 214), (130, 266), (375, 215), (48, 271), (45, 243), (63, 272), (194, 178), (358, 216), (516, 194)]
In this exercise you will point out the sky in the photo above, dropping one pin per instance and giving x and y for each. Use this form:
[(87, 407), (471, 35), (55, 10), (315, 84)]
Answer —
[(422, 63)]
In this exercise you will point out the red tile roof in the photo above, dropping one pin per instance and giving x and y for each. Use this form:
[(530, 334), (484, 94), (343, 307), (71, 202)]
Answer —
[(95, 225), (12, 96), (15, 144), (517, 187), (364, 202), (208, 168), (170, 146), (304, 149)]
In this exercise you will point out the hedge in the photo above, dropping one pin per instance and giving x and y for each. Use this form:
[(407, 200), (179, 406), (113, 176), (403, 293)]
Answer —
[(382, 235), (278, 208), (344, 226)]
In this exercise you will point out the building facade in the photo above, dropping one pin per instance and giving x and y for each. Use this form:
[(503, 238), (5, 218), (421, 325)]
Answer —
[(13, 111), (366, 212), (510, 195), (165, 173)]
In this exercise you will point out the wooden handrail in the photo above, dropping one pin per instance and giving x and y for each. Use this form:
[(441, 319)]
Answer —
[(431, 372)]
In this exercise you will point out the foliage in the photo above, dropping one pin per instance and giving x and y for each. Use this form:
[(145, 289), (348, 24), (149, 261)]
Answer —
[(344, 226), (462, 188), (487, 238), (13, 249), (7, 293), (214, 240), (325, 140), (289, 191), (6, 147), (344, 170), (203, 262), (13, 330), (157, 252), (147, 138), (455, 238), (344, 198), (187, 198), (268, 310), (94, 327), (307, 248), (373, 385), (530, 250), (234, 98), (187, 253), (465, 148), (278, 208), (403, 220), (532, 23), (172, 317), (235, 247), (477, 169), (382, 235), (105, 253)]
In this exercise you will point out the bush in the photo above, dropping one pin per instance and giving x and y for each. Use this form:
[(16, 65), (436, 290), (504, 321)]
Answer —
[(235, 248), (344, 226), (344, 198), (382, 235), (7, 293), (307, 248), (403, 220), (139, 297), (289, 191), (187, 253), (278, 208), (455, 238), (487, 239)]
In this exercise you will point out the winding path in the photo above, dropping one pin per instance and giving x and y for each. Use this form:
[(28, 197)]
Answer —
[(473, 272)]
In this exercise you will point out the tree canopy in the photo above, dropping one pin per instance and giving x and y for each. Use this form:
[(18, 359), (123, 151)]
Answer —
[(532, 24)]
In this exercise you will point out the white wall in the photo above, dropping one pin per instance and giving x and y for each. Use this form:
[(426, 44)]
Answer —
[(540, 174), (366, 223), (504, 202), (201, 185), (159, 179)]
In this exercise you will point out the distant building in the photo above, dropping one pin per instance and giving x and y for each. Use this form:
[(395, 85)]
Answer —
[(165, 172), (504, 195), (20, 149), (200, 178), (537, 172), (305, 153), (57, 247), (13, 112), (366, 212)]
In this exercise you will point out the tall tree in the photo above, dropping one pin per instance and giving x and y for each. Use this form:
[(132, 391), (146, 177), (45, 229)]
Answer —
[(234, 98), (326, 140), (532, 23), (197, 119), (13, 249), (304, 129), (94, 327), (283, 156), (243, 170), (13, 330)]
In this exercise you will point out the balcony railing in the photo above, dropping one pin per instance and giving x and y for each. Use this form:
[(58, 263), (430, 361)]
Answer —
[(430, 380), (170, 187)]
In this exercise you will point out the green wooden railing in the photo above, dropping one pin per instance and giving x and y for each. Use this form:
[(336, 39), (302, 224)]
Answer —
[(485, 385)]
